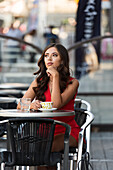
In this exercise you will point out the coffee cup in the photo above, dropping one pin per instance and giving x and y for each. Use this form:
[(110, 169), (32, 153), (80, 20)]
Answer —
[(47, 105)]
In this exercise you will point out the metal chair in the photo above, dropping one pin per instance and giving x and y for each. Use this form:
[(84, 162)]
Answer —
[(6, 103), (31, 141), (84, 119)]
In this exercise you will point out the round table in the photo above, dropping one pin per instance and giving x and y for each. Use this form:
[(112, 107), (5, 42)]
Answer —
[(21, 86), (14, 113), (18, 113)]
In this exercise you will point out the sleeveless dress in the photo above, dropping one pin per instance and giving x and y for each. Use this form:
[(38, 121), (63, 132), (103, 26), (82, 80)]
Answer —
[(75, 129)]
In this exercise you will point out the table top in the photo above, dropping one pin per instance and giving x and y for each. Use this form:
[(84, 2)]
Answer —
[(8, 98), (19, 113), (14, 86), (11, 91)]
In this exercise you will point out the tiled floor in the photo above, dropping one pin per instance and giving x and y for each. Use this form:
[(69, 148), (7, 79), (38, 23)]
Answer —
[(102, 150)]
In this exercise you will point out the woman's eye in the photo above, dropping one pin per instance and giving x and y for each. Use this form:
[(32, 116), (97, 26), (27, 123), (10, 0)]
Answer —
[(45, 55), (55, 55)]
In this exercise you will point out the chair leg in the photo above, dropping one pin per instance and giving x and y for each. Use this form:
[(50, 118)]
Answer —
[(71, 164), (2, 166), (27, 167), (58, 166), (17, 167), (23, 167), (74, 164)]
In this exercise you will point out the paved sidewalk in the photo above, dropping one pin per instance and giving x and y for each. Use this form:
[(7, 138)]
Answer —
[(102, 150)]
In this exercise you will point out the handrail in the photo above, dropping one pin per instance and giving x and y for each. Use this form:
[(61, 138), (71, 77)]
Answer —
[(80, 43), (22, 41), (74, 46)]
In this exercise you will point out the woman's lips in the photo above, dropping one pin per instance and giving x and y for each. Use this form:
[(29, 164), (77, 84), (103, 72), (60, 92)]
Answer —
[(49, 64)]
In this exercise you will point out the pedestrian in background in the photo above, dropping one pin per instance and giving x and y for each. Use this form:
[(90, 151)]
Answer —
[(50, 37), (13, 47), (32, 37)]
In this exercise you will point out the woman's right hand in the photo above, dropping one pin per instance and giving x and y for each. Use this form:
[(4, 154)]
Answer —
[(35, 105)]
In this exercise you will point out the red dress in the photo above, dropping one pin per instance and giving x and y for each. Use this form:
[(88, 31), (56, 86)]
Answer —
[(67, 119)]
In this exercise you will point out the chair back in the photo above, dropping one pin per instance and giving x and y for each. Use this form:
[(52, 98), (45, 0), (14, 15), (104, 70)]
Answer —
[(31, 140), (80, 116), (80, 106), (8, 104)]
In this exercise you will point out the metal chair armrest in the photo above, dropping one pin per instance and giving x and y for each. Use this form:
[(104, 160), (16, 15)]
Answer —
[(66, 142), (4, 121), (87, 104), (90, 118)]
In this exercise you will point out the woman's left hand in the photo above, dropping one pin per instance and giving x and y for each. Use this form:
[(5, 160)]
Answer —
[(52, 71)]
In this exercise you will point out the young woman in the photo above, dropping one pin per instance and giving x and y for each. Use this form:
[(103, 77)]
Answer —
[(54, 83)]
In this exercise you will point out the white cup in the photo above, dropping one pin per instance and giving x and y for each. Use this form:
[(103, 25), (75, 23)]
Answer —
[(47, 105), (25, 104)]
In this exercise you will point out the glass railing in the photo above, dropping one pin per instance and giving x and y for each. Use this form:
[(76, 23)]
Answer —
[(96, 84)]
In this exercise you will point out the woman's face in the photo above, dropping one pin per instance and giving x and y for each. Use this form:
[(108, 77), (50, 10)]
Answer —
[(52, 58)]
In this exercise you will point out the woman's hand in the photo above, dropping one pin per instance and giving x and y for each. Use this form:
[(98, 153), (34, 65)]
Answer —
[(52, 71), (35, 105)]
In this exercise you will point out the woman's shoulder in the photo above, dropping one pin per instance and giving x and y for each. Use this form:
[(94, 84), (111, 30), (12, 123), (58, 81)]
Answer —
[(34, 83), (74, 82), (73, 79)]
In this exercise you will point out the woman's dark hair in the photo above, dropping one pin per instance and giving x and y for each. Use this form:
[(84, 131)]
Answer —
[(63, 69)]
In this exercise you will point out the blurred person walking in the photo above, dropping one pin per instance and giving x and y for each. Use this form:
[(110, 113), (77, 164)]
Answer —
[(50, 37), (32, 38), (13, 46)]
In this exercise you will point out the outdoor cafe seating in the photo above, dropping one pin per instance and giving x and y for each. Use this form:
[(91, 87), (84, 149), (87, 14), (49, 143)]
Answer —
[(78, 157), (31, 141), (8, 103), (11, 93)]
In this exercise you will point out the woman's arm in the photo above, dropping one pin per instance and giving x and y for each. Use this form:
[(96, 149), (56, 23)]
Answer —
[(58, 99), (31, 94)]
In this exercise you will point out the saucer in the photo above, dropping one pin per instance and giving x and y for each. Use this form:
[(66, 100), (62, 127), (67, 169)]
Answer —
[(47, 110)]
